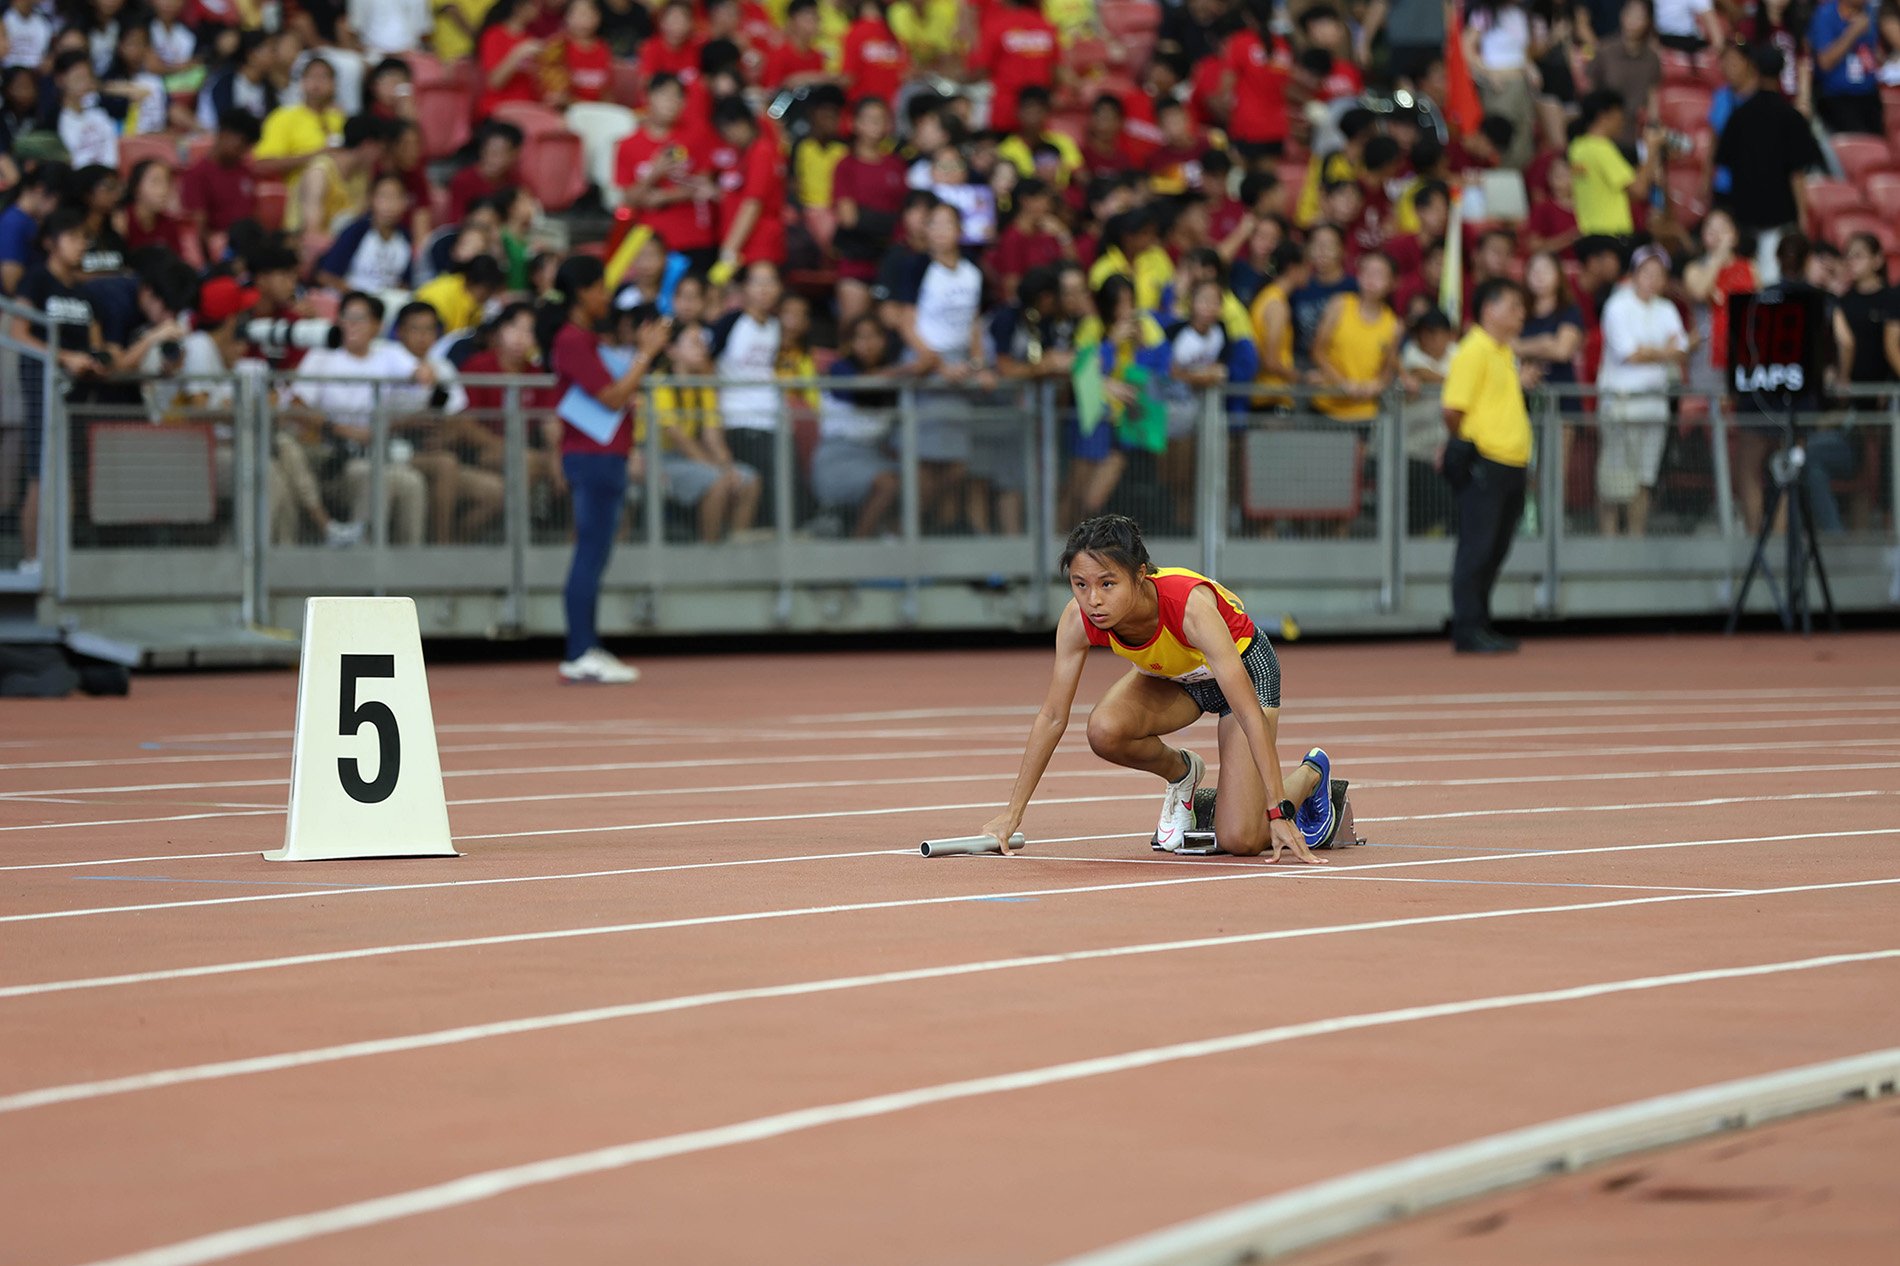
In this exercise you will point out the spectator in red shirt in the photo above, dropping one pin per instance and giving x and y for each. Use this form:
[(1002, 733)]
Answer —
[(579, 67), (497, 156), (1176, 165), (663, 174), (219, 189), (752, 210), (794, 62), (673, 50), (1035, 238), (148, 213), (1018, 47), (1255, 66), (1432, 205), (867, 196), (510, 57), (1323, 30), (874, 63), (510, 350), (1552, 225), (1105, 148)]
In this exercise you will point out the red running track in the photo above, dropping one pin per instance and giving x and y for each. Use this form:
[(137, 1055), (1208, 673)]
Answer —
[(691, 996)]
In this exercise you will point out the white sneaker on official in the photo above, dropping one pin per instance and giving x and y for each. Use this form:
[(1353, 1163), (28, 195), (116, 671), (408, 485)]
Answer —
[(1177, 808), (339, 535), (596, 665)]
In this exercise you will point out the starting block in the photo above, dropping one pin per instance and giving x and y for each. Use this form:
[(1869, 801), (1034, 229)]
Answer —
[(1200, 842)]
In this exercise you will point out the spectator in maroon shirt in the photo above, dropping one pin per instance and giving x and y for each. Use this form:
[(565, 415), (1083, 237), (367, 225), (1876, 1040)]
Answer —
[(148, 213), (795, 62), (402, 158), (1552, 225), (1432, 205), (1035, 238), (867, 196), (391, 95), (219, 190), (497, 154), (1104, 143)]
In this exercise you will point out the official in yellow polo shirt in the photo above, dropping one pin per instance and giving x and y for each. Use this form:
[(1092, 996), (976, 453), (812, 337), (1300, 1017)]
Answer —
[(1602, 179), (1485, 459)]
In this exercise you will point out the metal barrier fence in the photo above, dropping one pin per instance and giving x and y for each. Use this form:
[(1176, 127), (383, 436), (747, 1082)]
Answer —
[(877, 503)]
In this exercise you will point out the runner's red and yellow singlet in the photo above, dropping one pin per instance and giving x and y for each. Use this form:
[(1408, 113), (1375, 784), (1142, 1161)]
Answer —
[(1170, 654)]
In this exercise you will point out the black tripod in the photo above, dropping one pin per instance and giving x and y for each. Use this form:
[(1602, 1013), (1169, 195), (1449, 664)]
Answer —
[(1789, 468)]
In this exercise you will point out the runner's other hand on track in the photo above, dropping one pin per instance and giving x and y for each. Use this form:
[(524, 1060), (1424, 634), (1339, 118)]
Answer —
[(1000, 828), (1285, 837)]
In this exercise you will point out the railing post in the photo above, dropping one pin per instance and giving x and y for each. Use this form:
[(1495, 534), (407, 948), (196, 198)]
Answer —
[(515, 511), (378, 487), (784, 463), (262, 420), (910, 499), (1724, 484), (1551, 483), (1039, 509), (244, 476), (56, 522), (1210, 479), (1391, 473)]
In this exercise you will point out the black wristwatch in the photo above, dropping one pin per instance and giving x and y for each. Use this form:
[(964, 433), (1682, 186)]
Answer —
[(1284, 810)]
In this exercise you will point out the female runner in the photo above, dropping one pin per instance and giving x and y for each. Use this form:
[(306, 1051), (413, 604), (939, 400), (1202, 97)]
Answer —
[(1194, 651)]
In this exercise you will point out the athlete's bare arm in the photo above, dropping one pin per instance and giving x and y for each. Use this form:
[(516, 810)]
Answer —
[(1045, 731)]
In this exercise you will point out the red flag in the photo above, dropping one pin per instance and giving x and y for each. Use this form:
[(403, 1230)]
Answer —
[(1462, 108)]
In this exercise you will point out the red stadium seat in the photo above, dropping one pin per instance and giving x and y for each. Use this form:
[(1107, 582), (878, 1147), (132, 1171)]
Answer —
[(198, 145), (134, 150), (272, 195), (1883, 194), (1683, 107), (624, 85), (1860, 156), (427, 68), (1087, 56), (442, 114), (1688, 195), (1073, 124), (1890, 100), (1681, 68), (1123, 18), (552, 168), (531, 117), (1829, 198), (1845, 225)]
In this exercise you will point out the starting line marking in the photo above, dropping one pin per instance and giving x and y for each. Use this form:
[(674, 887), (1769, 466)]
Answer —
[(473, 1188), (518, 938)]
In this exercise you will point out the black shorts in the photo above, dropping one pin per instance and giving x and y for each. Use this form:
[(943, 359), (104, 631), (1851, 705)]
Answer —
[(1262, 665)]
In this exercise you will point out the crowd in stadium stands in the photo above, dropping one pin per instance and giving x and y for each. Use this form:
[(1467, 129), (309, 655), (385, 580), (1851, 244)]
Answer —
[(967, 197)]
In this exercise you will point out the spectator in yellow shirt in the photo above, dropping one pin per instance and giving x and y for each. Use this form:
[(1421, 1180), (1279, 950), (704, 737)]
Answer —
[(456, 22), (458, 297), (1131, 249), (1019, 147), (929, 29), (1603, 180), (295, 134)]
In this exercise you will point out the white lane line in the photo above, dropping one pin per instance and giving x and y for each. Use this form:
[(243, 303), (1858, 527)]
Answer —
[(477, 1187), (1256, 871), (1415, 817), (1335, 873), (460, 1034)]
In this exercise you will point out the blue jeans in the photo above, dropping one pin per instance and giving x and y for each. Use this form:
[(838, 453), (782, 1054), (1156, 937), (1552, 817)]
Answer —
[(597, 485)]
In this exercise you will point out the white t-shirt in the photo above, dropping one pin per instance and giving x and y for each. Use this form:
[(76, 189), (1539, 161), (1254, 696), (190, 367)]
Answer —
[(1190, 349), (1630, 323), (354, 403), (391, 26), (90, 137), (379, 263), (746, 351), (28, 37), (1678, 17), (174, 45), (1504, 40), (151, 113), (947, 303)]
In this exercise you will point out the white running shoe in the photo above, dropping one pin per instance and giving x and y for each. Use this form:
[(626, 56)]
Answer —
[(340, 535), (596, 665), (1177, 808)]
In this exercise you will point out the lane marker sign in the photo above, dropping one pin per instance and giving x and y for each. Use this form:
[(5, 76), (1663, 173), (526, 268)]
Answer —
[(365, 778)]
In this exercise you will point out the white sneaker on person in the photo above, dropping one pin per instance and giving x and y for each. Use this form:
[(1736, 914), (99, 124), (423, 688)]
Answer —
[(340, 535), (596, 665), (1177, 807)]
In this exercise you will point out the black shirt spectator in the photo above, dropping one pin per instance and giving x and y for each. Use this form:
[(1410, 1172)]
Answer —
[(1766, 147)]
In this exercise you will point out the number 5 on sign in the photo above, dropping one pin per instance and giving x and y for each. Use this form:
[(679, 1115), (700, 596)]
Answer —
[(365, 780)]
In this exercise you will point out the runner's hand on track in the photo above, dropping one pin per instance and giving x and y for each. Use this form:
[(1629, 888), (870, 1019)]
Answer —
[(1285, 837), (1000, 828)]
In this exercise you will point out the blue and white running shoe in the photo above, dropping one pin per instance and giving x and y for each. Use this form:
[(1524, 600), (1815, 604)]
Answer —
[(1314, 815)]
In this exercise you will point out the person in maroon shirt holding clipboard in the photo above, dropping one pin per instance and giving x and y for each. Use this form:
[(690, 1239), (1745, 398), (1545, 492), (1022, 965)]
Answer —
[(596, 446)]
